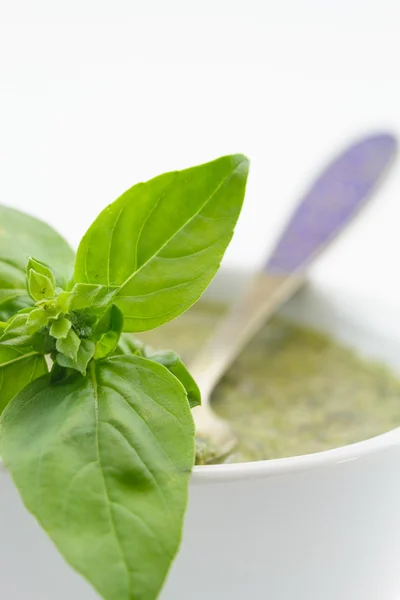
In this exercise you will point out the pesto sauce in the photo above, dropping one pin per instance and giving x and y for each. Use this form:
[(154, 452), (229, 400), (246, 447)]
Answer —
[(293, 390)]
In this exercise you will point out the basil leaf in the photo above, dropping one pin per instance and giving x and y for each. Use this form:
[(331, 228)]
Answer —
[(16, 374), (16, 332), (22, 236), (19, 335), (38, 317), (19, 362), (13, 295), (108, 332), (104, 462), (172, 361), (40, 286), (40, 267), (83, 356), (60, 328), (162, 241), (129, 345), (88, 295), (69, 345)]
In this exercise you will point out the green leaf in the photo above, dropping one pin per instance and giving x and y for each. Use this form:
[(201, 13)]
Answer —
[(172, 361), (88, 295), (40, 267), (129, 345), (64, 301), (108, 332), (180, 371), (84, 355), (16, 333), (19, 361), (37, 318), (162, 241), (59, 329), (17, 373), (19, 335), (22, 236), (43, 313), (39, 286), (104, 462), (11, 299), (69, 345)]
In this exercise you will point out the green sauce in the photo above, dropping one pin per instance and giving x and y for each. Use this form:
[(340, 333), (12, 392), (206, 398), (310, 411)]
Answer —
[(293, 390)]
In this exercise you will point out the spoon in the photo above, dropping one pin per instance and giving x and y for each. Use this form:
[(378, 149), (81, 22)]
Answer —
[(328, 206)]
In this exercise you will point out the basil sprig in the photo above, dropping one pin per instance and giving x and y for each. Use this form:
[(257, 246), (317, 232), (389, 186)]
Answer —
[(96, 429)]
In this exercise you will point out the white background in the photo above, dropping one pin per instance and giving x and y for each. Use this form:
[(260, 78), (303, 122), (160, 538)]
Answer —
[(96, 96)]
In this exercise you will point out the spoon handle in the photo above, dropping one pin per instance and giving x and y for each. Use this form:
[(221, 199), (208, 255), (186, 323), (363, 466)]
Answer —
[(333, 200)]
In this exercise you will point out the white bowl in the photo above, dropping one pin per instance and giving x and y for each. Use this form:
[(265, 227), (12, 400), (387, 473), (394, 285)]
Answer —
[(324, 526)]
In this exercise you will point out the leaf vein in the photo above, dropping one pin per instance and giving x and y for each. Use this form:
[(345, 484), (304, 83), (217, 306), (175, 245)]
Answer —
[(145, 422), (151, 213), (18, 358), (164, 289), (144, 525), (219, 186), (147, 469), (98, 457), (190, 254), (147, 396), (111, 242)]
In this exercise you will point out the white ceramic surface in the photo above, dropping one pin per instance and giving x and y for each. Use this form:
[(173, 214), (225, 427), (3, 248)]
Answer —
[(320, 527)]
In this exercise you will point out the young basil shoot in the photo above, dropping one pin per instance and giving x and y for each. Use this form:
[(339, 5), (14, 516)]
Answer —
[(96, 429)]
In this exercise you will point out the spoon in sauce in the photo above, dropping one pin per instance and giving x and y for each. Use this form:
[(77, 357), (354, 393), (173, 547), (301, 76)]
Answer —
[(328, 206)]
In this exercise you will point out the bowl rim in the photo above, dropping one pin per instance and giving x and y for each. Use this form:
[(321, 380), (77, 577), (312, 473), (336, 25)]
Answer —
[(293, 464)]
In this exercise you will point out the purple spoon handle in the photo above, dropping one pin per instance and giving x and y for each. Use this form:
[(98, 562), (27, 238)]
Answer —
[(331, 203)]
